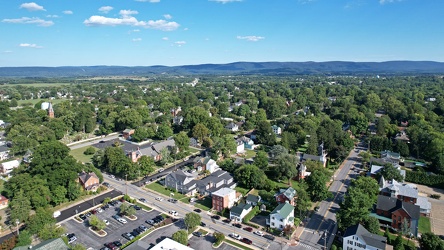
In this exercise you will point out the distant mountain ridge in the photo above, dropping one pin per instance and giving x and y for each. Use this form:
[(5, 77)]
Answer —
[(236, 68)]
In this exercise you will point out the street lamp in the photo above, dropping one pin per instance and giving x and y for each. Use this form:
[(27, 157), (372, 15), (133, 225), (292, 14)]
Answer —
[(126, 183), (17, 222)]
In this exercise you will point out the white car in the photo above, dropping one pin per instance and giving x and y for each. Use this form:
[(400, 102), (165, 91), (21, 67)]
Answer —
[(235, 236), (259, 233), (159, 199), (106, 222), (173, 213), (99, 210), (122, 220)]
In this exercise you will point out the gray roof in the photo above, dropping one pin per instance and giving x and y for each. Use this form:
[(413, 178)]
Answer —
[(390, 204), (237, 210), (181, 177), (4, 149), (253, 198), (370, 239), (376, 169), (390, 154), (423, 203), (164, 144), (400, 188), (289, 192), (52, 244), (216, 177), (310, 157)]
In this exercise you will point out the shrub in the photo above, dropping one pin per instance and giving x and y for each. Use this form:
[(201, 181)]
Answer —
[(435, 196), (89, 151), (219, 238), (425, 179)]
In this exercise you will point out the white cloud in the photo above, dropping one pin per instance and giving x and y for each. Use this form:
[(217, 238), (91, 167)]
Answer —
[(128, 13), (137, 39), (225, 1), (165, 38), (68, 12), (52, 16), (126, 19), (251, 38), (7, 51), (185, 29), (180, 43), (388, 1), (136, 30), (31, 6), (29, 20), (105, 9), (30, 45), (167, 16), (149, 1)]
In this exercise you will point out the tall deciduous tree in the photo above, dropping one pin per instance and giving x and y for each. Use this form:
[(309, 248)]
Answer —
[(20, 207), (181, 236), (261, 160), (265, 134), (200, 131), (192, 220), (182, 141)]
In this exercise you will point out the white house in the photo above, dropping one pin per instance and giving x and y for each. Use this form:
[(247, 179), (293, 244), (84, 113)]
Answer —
[(357, 237), (232, 127), (240, 147), (238, 212), (276, 130), (4, 153), (7, 167), (282, 216)]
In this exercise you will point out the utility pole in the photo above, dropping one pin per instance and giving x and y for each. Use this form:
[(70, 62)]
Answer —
[(17, 222)]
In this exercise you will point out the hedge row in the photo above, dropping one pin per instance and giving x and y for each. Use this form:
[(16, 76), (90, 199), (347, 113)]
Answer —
[(251, 214), (425, 179)]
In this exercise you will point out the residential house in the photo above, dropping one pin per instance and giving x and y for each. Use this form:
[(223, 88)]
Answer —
[(240, 148), (253, 199), (232, 127), (177, 120), (375, 170), (127, 133), (358, 238), (276, 130), (215, 181), (182, 182), (248, 143), (7, 167), (321, 157), (394, 212), (175, 111), (4, 202), (223, 198), (402, 136), (153, 150), (205, 163), (89, 181), (390, 157), (405, 192), (27, 158), (286, 196), (194, 142), (282, 216), (302, 171), (237, 213), (4, 152)]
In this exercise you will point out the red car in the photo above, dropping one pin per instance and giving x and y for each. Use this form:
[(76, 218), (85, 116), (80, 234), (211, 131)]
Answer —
[(111, 246), (249, 229), (247, 241)]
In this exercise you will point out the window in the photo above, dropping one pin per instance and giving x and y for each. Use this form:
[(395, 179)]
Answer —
[(272, 223)]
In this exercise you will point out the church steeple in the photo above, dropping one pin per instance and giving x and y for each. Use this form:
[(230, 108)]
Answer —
[(50, 111)]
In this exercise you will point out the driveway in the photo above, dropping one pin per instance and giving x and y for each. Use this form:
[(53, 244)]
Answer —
[(114, 230)]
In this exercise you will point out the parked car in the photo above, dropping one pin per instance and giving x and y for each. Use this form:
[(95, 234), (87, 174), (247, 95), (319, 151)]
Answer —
[(142, 200), (82, 216), (99, 210), (216, 217), (237, 225), (122, 220), (106, 222), (105, 248), (247, 241), (173, 213), (197, 210), (235, 236), (116, 217), (111, 246), (160, 170), (135, 232), (88, 214), (197, 234), (151, 222), (159, 199), (249, 229), (203, 224), (316, 209), (269, 237), (259, 233), (128, 236), (117, 243), (71, 238), (106, 184), (227, 220), (143, 228), (137, 207)]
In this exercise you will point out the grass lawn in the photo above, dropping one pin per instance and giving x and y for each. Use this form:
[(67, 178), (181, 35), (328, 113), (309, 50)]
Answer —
[(142, 205), (249, 154), (193, 150), (242, 190), (205, 204), (34, 101), (78, 154), (202, 231), (2, 182), (163, 190), (424, 225), (236, 244)]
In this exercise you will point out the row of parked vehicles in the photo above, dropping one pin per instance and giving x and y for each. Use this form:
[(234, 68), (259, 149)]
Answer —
[(136, 232)]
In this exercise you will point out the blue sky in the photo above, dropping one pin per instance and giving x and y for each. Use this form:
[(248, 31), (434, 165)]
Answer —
[(182, 32)]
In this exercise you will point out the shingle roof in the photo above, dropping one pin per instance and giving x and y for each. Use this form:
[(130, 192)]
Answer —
[(237, 210), (181, 177), (84, 177), (283, 209), (253, 198), (370, 239), (289, 192), (390, 204)]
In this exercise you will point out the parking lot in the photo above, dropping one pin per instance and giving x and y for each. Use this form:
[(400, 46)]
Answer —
[(114, 230)]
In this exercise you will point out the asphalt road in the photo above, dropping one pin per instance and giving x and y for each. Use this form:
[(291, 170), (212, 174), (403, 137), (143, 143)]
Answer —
[(90, 143), (321, 228)]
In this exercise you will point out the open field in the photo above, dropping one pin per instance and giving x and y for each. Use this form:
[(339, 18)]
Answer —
[(424, 225), (80, 156), (37, 85), (34, 101)]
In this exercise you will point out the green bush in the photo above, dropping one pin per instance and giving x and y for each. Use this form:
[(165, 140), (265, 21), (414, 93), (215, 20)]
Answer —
[(89, 151), (219, 238), (435, 196), (425, 179)]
